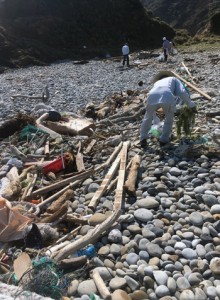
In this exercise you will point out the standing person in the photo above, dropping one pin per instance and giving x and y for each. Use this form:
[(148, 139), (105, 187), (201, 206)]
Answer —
[(164, 95), (125, 52), (166, 47)]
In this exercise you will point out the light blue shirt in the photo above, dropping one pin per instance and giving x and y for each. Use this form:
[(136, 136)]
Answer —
[(125, 50), (167, 90)]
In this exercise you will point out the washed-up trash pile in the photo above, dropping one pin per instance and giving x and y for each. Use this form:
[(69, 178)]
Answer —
[(64, 180)]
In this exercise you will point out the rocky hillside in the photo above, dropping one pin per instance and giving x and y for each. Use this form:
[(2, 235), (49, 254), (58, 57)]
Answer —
[(192, 15), (37, 31)]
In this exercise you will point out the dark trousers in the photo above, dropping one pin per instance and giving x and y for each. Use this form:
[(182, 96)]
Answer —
[(126, 58), (165, 52)]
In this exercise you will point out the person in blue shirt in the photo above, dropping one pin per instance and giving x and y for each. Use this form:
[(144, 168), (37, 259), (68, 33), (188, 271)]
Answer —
[(125, 53)]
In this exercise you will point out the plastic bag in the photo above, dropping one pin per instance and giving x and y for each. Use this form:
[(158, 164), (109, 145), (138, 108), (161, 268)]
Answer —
[(156, 129), (161, 58)]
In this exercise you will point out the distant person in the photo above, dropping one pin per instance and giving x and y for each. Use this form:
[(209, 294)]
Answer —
[(125, 53), (166, 47), (164, 94)]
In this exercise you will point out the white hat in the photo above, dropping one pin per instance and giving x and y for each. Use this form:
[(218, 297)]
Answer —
[(164, 38), (162, 74)]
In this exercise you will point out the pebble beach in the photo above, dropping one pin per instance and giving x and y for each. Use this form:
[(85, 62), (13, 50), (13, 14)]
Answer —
[(167, 243)]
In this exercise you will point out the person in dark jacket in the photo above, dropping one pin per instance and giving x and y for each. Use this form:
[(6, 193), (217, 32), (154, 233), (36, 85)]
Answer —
[(166, 48)]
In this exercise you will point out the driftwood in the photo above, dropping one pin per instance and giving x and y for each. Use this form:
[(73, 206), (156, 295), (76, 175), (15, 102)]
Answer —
[(188, 72), (132, 118), (63, 182), (113, 183), (17, 152), (67, 195), (89, 147), (90, 237), (44, 97), (59, 193), (79, 160), (103, 290), (110, 159), (57, 215), (73, 263), (130, 183), (192, 86), (121, 177), (29, 187), (212, 114), (101, 190), (101, 113), (47, 148), (127, 112), (51, 250), (4, 268), (53, 134), (68, 235), (24, 173), (75, 220)]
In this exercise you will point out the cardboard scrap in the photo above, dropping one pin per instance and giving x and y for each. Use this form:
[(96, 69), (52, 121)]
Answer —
[(73, 126), (12, 223)]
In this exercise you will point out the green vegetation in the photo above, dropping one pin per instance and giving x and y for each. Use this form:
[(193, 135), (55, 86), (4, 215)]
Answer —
[(185, 122)]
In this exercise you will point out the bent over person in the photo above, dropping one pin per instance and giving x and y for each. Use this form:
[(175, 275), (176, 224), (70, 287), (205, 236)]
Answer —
[(164, 95)]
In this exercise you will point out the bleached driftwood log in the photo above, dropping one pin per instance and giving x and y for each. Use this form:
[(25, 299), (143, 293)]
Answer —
[(67, 195), (90, 237), (130, 183), (102, 288), (60, 213), (44, 96)]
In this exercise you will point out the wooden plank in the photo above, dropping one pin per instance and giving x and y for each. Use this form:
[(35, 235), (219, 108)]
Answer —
[(192, 86), (101, 190), (111, 158), (113, 183), (63, 182), (121, 177), (188, 72)]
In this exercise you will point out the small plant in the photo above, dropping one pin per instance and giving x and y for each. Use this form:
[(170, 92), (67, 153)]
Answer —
[(185, 122)]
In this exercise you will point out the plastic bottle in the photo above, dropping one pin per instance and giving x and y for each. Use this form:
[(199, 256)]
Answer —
[(89, 252)]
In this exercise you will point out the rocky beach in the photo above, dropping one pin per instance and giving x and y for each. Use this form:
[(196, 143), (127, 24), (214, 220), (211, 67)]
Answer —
[(166, 242)]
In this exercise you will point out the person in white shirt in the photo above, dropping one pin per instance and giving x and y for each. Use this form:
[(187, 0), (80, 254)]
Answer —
[(166, 47), (164, 94), (125, 53)]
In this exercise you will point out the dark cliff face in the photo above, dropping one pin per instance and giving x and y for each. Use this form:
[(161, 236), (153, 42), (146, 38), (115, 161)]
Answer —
[(57, 29), (192, 15)]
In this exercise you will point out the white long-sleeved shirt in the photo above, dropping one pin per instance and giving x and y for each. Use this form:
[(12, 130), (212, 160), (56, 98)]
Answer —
[(166, 90), (125, 50)]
